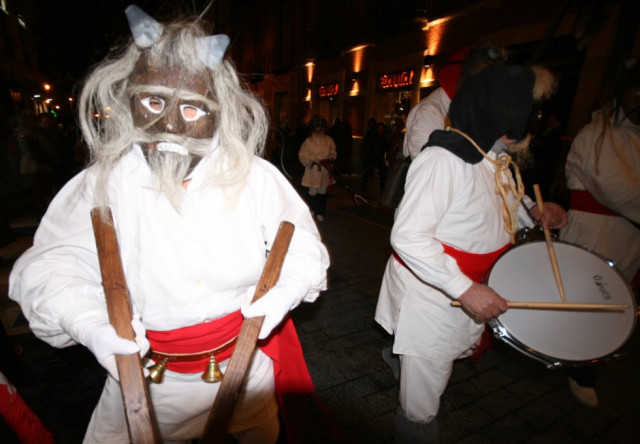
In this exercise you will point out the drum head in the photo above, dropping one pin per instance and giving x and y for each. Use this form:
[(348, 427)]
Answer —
[(525, 274)]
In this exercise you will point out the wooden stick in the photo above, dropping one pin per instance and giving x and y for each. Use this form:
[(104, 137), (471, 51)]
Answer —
[(560, 306), (224, 404), (141, 421), (550, 249)]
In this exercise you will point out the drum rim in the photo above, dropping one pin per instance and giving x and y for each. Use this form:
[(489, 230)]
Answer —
[(501, 332)]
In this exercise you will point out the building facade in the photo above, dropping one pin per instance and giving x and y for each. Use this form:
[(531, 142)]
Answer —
[(356, 60)]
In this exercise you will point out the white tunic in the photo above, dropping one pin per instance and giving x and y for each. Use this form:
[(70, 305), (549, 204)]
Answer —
[(616, 186), (446, 201), (181, 268)]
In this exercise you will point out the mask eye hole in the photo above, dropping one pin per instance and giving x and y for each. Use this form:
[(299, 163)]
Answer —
[(153, 104), (191, 113)]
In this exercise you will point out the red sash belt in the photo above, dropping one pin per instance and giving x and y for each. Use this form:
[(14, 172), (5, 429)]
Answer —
[(582, 200), (283, 347), (474, 266), (196, 339)]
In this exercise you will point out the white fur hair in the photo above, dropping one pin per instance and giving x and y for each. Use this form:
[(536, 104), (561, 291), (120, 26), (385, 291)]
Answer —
[(242, 123)]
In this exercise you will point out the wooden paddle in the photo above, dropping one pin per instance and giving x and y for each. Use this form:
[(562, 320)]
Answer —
[(133, 385), (223, 407)]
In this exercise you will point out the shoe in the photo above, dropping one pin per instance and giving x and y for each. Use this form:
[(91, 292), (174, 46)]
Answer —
[(320, 217), (586, 396), (392, 361)]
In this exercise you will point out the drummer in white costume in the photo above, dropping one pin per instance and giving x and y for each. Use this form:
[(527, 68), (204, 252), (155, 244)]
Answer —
[(196, 212), (449, 229), (603, 174)]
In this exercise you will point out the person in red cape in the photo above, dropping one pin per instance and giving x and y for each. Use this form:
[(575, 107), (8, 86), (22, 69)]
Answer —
[(450, 227), (175, 148)]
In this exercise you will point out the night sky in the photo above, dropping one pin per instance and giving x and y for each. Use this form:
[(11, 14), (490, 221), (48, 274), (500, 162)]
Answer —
[(73, 35)]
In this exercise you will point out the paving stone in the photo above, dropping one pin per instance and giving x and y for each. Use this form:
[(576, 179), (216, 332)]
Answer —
[(527, 390), (505, 397), (499, 403), (539, 414), (461, 370), (509, 429), (491, 380), (465, 421), (461, 394)]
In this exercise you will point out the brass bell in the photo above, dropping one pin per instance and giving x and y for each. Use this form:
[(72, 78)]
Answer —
[(212, 373), (156, 371)]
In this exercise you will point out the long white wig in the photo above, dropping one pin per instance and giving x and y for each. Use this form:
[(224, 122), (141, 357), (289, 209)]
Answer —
[(106, 116)]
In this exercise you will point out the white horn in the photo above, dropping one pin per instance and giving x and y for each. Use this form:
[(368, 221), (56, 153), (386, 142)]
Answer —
[(211, 49), (145, 30)]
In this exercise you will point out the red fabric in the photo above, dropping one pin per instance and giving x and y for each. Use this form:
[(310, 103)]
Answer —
[(290, 371), (21, 419), (292, 377), (582, 200), (483, 346), (195, 339), (449, 74), (289, 367), (474, 266)]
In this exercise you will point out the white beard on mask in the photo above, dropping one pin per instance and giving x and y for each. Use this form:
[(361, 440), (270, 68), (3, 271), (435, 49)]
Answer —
[(172, 161)]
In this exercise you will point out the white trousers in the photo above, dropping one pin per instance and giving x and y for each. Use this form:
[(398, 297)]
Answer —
[(182, 402), (422, 382)]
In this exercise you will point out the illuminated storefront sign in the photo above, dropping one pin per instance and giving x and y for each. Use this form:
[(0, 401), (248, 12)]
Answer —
[(396, 80), (328, 91)]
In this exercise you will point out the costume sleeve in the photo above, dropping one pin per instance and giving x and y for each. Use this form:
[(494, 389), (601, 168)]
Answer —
[(616, 184), (430, 189), (307, 260), (305, 155), (57, 281)]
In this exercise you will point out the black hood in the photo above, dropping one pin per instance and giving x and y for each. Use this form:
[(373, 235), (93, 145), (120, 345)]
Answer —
[(496, 101)]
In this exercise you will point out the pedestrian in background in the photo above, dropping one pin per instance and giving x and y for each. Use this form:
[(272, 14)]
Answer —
[(316, 154), (378, 149)]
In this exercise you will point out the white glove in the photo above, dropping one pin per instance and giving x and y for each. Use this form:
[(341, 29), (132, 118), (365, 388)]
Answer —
[(274, 306), (103, 341)]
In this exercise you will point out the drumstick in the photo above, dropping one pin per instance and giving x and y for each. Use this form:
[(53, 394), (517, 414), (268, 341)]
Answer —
[(550, 249), (559, 306)]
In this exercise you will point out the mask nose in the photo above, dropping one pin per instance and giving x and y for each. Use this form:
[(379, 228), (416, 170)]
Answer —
[(172, 120)]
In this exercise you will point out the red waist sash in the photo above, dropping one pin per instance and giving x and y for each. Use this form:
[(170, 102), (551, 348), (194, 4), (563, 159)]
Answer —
[(582, 200), (195, 339), (475, 266), (283, 347)]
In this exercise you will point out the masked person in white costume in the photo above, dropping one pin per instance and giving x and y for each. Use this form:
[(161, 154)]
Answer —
[(176, 158), (450, 227), (603, 176)]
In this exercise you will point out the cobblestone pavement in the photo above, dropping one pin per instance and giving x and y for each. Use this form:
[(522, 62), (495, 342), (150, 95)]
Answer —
[(505, 397)]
